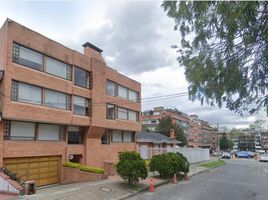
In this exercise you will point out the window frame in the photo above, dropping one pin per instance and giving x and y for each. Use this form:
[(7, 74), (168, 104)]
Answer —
[(67, 100), (80, 136), (44, 64), (118, 86), (15, 94), (74, 77), (115, 111), (115, 88), (67, 65), (88, 108)]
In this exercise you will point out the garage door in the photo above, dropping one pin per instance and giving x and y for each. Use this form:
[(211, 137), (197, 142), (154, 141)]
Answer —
[(44, 170)]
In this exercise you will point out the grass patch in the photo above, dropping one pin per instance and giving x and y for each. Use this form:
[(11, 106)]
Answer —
[(213, 164)]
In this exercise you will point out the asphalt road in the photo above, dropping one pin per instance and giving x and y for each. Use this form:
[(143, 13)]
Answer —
[(237, 180)]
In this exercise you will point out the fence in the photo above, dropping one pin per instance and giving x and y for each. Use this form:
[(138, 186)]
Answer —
[(193, 155)]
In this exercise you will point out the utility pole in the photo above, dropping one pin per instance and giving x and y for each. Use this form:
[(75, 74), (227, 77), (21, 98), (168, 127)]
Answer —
[(218, 140)]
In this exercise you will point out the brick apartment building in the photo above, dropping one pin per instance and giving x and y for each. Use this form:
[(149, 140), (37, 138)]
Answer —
[(60, 105), (198, 132)]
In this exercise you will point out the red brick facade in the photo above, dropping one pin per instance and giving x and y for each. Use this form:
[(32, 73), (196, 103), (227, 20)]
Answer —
[(92, 151)]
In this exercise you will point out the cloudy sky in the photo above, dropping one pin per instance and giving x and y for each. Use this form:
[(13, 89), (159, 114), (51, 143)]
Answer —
[(135, 37)]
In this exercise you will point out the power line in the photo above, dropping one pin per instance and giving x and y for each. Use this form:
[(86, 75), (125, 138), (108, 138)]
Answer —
[(144, 100)]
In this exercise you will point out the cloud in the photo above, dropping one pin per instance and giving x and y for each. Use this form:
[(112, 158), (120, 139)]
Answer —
[(134, 36)]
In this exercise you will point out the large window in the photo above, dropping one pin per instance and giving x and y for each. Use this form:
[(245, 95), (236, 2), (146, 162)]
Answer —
[(117, 136), (75, 135), (57, 99), (114, 112), (122, 91), (110, 111), (18, 130), (49, 132), (58, 68), (81, 106), (132, 115), (22, 131), (27, 57), (122, 113), (110, 88), (26, 93), (128, 136), (132, 95), (38, 61), (81, 77)]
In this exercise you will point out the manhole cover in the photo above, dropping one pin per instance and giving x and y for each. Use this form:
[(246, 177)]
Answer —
[(106, 189)]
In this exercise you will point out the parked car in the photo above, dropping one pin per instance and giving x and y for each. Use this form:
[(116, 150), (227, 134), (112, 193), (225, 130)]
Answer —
[(243, 154), (264, 158), (226, 155), (251, 154)]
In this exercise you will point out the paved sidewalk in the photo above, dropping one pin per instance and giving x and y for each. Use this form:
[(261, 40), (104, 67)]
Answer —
[(112, 188)]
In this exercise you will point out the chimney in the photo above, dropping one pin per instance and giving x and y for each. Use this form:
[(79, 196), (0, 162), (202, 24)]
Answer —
[(93, 51)]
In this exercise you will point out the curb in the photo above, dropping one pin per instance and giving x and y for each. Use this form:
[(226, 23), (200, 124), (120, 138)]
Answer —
[(163, 183)]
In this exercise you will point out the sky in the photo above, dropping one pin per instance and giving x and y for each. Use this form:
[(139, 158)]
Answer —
[(136, 39)]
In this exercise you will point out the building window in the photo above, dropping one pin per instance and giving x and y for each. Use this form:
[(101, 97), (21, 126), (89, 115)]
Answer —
[(26, 93), (132, 115), (22, 131), (27, 57), (122, 113), (6, 126), (110, 111), (81, 106), (50, 132), (75, 135), (57, 99), (128, 136), (106, 137), (117, 136), (122, 92), (132, 95), (58, 68), (81, 77), (110, 88)]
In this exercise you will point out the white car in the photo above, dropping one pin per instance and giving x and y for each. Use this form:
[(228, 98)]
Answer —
[(264, 158)]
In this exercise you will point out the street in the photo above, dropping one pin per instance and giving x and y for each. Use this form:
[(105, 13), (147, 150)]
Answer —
[(237, 180)]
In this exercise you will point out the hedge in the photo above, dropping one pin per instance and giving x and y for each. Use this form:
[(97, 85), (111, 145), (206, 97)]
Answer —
[(95, 170)]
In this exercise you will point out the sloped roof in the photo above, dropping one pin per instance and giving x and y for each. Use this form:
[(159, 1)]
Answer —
[(154, 137)]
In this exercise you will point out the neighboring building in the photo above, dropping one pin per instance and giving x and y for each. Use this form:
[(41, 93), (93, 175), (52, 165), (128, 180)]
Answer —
[(60, 105), (246, 142), (264, 141), (198, 132), (153, 143)]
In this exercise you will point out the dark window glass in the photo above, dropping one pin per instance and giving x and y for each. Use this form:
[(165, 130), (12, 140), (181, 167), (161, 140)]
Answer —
[(81, 78), (75, 135), (106, 137)]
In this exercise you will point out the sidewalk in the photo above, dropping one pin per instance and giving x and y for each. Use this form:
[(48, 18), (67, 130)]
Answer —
[(113, 188)]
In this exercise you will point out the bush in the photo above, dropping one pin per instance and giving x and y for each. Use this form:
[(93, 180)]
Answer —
[(169, 164), (12, 175), (95, 170), (131, 167)]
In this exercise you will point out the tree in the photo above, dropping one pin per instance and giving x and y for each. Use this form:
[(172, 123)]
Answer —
[(131, 167), (164, 126), (168, 164), (224, 143), (224, 51)]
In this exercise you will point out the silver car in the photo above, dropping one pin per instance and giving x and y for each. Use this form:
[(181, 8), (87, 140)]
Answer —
[(264, 158)]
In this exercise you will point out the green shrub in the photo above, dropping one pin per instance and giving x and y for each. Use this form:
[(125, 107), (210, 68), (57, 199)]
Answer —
[(131, 167), (95, 170), (169, 164)]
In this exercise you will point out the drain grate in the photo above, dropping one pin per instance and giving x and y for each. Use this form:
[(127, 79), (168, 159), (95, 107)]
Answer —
[(106, 189)]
